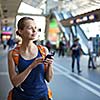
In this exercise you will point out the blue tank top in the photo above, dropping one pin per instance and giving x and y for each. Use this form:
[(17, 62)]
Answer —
[(34, 87)]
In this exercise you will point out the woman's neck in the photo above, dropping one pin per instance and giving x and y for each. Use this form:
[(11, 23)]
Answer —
[(27, 46)]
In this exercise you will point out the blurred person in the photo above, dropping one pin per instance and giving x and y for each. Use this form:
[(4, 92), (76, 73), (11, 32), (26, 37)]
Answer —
[(62, 47), (91, 54), (48, 45), (0, 40), (97, 45), (10, 43), (29, 78), (76, 52), (4, 44)]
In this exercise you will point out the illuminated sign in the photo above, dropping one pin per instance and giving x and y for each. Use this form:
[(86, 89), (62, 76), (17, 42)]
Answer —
[(7, 28), (6, 33)]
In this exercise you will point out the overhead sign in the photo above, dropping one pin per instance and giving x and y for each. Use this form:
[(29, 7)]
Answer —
[(7, 28)]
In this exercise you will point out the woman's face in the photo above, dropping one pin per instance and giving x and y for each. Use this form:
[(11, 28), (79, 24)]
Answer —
[(29, 32)]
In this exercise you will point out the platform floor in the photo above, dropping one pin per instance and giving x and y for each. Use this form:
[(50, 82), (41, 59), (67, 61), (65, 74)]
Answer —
[(65, 84)]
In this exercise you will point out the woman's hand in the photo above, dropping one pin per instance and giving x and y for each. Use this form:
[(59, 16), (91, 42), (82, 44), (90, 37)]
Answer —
[(49, 61), (36, 62)]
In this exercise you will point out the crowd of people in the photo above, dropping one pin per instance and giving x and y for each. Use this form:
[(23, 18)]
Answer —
[(76, 52), (10, 43)]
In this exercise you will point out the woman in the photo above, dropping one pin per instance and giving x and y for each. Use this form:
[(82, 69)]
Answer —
[(29, 80)]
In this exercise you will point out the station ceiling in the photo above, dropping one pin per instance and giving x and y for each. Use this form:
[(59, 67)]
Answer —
[(9, 8)]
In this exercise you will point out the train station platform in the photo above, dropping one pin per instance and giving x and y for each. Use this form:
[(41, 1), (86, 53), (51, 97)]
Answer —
[(65, 84)]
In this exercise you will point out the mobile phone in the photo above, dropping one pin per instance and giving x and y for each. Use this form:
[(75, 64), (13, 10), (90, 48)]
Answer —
[(52, 53)]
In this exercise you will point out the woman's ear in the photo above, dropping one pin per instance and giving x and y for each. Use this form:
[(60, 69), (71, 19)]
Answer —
[(20, 32)]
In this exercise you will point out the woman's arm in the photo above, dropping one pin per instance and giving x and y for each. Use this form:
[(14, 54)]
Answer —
[(16, 78), (49, 73)]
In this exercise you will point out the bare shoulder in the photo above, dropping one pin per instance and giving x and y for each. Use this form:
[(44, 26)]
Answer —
[(10, 53), (10, 58)]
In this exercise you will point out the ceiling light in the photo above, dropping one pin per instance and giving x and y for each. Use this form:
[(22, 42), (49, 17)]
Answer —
[(71, 21), (91, 17), (85, 18), (78, 20)]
